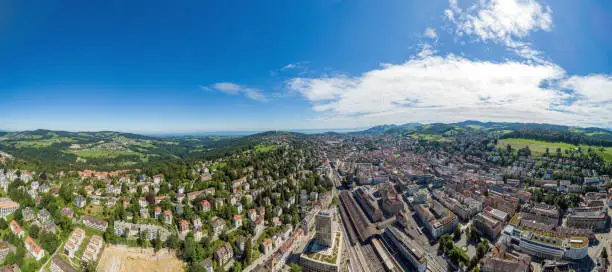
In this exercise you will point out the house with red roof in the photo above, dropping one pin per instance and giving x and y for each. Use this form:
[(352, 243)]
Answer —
[(16, 229), (34, 248), (237, 220), (205, 204)]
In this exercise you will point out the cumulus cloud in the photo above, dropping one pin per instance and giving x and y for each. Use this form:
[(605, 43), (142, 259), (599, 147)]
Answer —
[(453, 88), (430, 33), (505, 22), (235, 89), (433, 88)]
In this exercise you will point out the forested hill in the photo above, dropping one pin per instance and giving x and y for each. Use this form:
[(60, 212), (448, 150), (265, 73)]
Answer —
[(569, 137), (107, 150), (545, 132)]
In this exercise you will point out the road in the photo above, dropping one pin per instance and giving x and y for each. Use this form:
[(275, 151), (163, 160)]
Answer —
[(42, 268)]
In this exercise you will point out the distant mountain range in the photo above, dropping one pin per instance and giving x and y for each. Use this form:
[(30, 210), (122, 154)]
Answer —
[(441, 128)]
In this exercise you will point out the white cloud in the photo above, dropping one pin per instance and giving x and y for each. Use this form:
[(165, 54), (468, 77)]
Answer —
[(430, 33), (227, 87), (505, 22), (502, 20), (234, 89), (593, 88), (288, 66), (444, 89), (293, 66)]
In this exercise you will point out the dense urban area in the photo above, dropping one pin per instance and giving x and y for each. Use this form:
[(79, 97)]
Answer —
[(467, 196)]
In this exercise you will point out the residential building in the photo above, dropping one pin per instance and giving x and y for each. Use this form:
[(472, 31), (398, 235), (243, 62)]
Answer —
[(183, 227), (205, 205), (4, 250), (34, 249), (168, 217), (267, 246), (487, 225), (44, 215), (588, 217), (237, 220), (437, 219), (28, 214), (16, 229), (7, 207), (157, 212), (224, 254), (135, 229), (218, 227), (74, 241), (93, 249), (80, 201), (95, 223), (10, 268), (506, 263)]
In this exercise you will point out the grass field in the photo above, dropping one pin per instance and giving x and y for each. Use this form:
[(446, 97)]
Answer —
[(430, 137), (539, 147), (93, 210), (42, 143), (264, 148), (102, 153)]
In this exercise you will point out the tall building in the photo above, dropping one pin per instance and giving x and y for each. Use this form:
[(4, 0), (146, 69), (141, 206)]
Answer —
[(324, 252), (325, 227)]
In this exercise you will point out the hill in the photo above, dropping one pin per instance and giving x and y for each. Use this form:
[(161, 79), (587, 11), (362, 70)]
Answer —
[(109, 150)]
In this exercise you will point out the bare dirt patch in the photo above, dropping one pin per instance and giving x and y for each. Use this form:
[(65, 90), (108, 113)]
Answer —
[(129, 259)]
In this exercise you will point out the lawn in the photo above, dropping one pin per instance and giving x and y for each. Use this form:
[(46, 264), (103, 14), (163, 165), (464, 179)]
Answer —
[(41, 143), (218, 165), (265, 148), (539, 147), (93, 210), (430, 137), (102, 153)]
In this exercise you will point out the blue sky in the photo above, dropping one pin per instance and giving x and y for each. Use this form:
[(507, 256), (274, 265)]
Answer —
[(159, 66)]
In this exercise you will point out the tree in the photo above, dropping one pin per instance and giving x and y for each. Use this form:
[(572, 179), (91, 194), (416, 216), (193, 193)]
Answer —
[(49, 241), (248, 249), (237, 267), (457, 255), (109, 234), (457, 233), (143, 239), (19, 255), (3, 224), (158, 242), (483, 248), (18, 215), (172, 241), (295, 268), (446, 243), (66, 191), (474, 235), (604, 253), (91, 266), (34, 231)]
